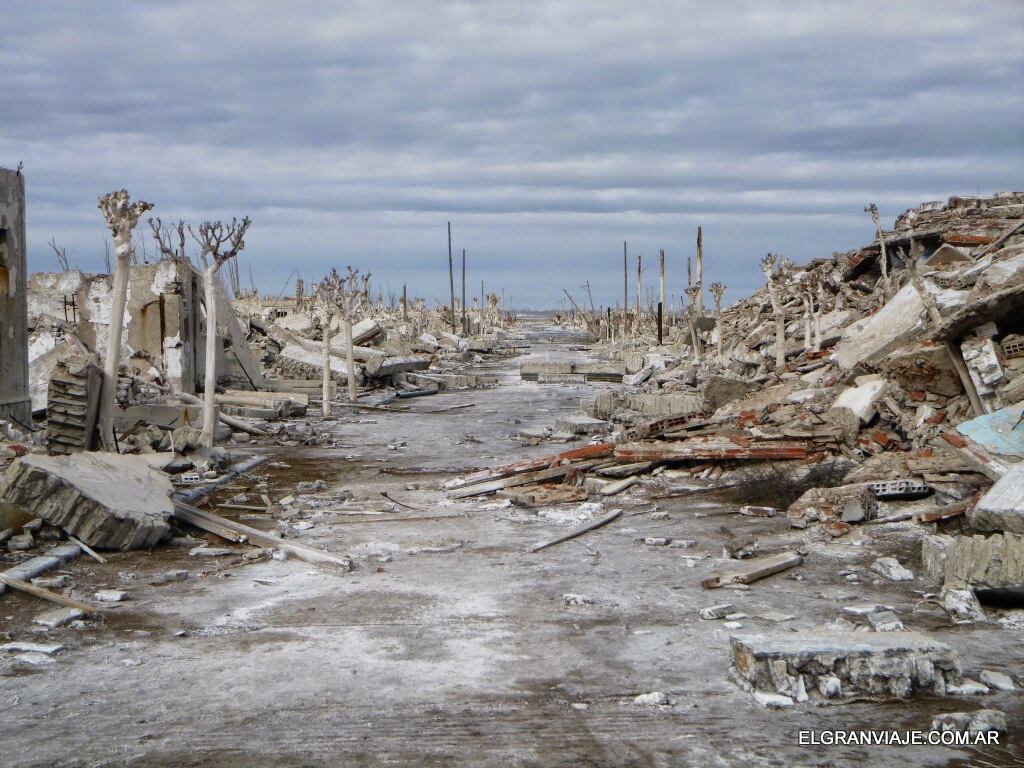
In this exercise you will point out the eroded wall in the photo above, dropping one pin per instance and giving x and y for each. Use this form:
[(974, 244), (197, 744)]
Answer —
[(14, 397)]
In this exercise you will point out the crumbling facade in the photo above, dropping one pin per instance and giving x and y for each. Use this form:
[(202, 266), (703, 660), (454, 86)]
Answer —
[(165, 326)]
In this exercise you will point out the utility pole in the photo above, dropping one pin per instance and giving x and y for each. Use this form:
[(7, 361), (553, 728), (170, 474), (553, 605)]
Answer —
[(639, 285), (451, 274), (661, 291), (700, 271), (405, 304), (625, 288), (465, 329)]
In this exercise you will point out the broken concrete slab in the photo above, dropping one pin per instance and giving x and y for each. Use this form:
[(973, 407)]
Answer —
[(111, 596), (997, 680), (890, 568), (581, 425), (57, 617), (926, 366), (1002, 507), (47, 649), (993, 562), (861, 399), (307, 357), (893, 663), (982, 721), (869, 340), (719, 390), (29, 569), (109, 501)]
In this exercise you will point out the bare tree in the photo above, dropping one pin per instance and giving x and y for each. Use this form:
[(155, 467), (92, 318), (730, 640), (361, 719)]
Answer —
[(774, 269), (820, 289), (62, 254), (717, 290), (883, 257), (170, 242), (807, 299), (218, 244), (927, 298), (354, 299), (327, 296), (692, 292), (121, 216)]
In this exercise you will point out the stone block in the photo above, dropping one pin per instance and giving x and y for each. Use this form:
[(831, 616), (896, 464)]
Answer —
[(887, 663)]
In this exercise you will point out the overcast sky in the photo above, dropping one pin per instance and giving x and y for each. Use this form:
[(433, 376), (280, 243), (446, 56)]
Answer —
[(547, 133)]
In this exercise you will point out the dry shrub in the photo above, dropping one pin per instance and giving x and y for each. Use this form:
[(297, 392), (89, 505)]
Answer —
[(779, 484)]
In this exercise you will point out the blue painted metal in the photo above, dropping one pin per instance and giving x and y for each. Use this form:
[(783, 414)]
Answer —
[(1000, 432)]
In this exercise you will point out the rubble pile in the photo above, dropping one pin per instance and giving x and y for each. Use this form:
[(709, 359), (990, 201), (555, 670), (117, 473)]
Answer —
[(908, 369)]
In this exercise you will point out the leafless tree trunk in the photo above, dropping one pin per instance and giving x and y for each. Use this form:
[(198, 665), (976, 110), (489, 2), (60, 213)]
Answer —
[(350, 360), (772, 276), (927, 298), (218, 244), (808, 301), (883, 257), (121, 216), (700, 271), (718, 290)]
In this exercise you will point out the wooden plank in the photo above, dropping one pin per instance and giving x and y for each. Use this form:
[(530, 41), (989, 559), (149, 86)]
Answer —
[(753, 569), (88, 550), (46, 594), (620, 485), (523, 478), (657, 450), (529, 465), (579, 531), (209, 521), (228, 534)]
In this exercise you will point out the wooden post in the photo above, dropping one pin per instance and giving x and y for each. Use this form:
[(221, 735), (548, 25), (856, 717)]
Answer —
[(625, 288), (482, 306), (639, 284), (661, 291), (465, 328), (405, 304), (451, 274), (700, 271), (957, 356)]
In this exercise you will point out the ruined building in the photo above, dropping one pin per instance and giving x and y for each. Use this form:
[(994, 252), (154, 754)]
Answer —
[(14, 400)]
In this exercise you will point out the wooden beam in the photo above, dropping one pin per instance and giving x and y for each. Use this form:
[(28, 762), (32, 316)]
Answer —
[(752, 570), (88, 550), (45, 594), (579, 531), (215, 523), (523, 478)]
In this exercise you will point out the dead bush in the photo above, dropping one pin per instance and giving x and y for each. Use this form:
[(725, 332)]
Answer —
[(779, 484)]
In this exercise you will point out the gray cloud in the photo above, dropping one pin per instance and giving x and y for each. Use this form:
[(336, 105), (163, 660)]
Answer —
[(548, 133)]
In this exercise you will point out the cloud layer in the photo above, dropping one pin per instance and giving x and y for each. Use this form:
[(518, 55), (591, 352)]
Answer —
[(547, 133)]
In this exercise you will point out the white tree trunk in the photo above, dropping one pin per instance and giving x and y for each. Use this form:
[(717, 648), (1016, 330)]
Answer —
[(210, 373), (112, 363), (350, 360), (325, 360), (780, 342), (808, 311)]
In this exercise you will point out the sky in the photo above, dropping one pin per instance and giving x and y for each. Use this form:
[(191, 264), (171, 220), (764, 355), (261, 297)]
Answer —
[(548, 133)]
